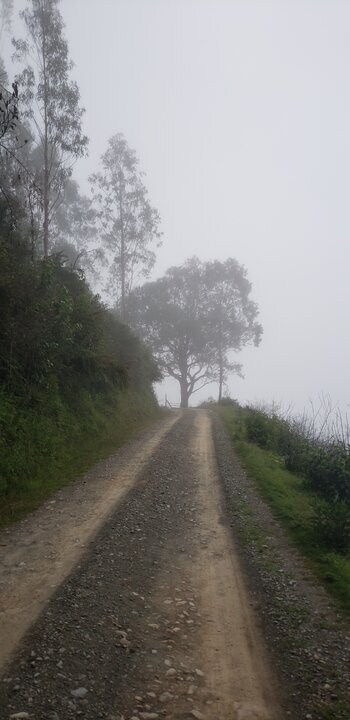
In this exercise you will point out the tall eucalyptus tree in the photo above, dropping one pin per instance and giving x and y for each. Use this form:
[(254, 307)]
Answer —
[(128, 223), (51, 101)]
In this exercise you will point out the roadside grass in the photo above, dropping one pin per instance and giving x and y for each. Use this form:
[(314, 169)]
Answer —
[(49, 453), (334, 712), (291, 503)]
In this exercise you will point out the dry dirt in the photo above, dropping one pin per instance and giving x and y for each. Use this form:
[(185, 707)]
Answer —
[(154, 620), (39, 552), (235, 661)]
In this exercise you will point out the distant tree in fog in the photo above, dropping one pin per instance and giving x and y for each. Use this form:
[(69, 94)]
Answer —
[(51, 100), (193, 317), (231, 315), (6, 11), (129, 225), (73, 225)]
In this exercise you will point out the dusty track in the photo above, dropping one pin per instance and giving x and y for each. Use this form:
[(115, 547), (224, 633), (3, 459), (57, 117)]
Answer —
[(155, 621), (39, 552), (235, 663)]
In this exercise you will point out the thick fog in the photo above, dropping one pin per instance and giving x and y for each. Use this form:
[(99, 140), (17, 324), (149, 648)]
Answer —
[(239, 112)]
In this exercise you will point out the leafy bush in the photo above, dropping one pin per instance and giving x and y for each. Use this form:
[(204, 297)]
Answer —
[(328, 472), (228, 401), (68, 366), (259, 429), (332, 523), (324, 465)]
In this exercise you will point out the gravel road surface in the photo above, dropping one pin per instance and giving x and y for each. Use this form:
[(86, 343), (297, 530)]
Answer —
[(150, 617)]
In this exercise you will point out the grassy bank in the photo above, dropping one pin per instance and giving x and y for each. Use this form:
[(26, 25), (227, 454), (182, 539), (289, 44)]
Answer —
[(292, 503), (75, 382), (43, 448)]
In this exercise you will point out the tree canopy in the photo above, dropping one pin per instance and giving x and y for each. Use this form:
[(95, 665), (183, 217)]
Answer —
[(53, 329), (193, 317), (129, 224), (50, 102)]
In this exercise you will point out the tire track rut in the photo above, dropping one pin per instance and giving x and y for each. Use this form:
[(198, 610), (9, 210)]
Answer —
[(155, 621)]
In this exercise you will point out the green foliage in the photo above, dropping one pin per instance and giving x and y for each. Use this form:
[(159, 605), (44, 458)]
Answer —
[(332, 523), (66, 366), (259, 429), (43, 448), (226, 400), (274, 433), (54, 332), (50, 103), (317, 525), (128, 224), (324, 465), (328, 471)]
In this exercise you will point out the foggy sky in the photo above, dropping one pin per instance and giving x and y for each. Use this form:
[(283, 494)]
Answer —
[(239, 112)]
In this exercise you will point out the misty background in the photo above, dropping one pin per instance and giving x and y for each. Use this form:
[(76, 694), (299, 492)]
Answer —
[(239, 113)]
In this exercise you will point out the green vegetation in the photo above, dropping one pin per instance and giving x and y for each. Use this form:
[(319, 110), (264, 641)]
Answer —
[(74, 381), (44, 449), (307, 515)]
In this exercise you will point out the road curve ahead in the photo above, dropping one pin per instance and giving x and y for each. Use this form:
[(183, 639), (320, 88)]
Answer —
[(154, 621)]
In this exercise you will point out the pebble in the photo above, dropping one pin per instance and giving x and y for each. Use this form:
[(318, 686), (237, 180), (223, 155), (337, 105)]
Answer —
[(171, 672), (199, 672), (19, 716), (165, 697), (149, 715), (198, 715), (79, 692)]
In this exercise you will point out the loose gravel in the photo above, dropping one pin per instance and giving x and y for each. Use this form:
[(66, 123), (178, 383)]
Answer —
[(89, 655), (121, 637), (308, 638)]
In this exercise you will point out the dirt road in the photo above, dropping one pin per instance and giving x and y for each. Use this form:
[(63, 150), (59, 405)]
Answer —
[(154, 619), (37, 554)]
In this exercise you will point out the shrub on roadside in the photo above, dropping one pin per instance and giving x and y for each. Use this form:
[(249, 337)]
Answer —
[(228, 401), (73, 377), (324, 465), (259, 429), (328, 472), (331, 523)]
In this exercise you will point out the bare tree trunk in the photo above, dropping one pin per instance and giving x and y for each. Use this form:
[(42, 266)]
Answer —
[(46, 188), (46, 201), (221, 365), (122, 248), (221, 379), (183, 367), (184, 393)]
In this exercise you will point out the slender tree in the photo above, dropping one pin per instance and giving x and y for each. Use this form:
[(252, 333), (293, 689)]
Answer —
[(51, 99), (6, 11), (129, 224), (16, 174)]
